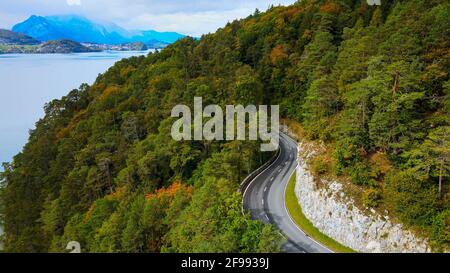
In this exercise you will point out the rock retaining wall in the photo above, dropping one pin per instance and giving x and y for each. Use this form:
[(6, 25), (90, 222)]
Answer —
[(335, 215)]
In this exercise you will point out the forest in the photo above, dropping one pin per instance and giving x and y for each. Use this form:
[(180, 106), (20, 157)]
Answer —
[(371, 82)]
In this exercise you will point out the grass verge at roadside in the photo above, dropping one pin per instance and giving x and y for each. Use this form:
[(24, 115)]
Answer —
[(300, 219)]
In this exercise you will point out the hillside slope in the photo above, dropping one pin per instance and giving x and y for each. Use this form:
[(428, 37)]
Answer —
[(12, 38), (371, 82), (62, 46)]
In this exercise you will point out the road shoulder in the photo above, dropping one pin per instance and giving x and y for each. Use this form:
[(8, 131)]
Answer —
[(296, 214)]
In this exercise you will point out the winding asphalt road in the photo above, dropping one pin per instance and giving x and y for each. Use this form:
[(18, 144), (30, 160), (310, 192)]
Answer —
[(264, 198)]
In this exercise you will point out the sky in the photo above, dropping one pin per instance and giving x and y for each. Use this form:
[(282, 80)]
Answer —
[(190, 17)]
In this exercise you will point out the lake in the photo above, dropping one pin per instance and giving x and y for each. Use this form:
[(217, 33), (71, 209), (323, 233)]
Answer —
[(28, 81)]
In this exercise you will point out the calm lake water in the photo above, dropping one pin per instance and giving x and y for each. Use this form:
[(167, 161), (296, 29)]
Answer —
[(28, 81)]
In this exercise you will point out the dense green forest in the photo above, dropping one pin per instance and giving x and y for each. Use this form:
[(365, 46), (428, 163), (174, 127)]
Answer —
[(371, 82)]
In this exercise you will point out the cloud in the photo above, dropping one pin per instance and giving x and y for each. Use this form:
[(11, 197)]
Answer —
[(73, 2), (194, 24), (194, 17)]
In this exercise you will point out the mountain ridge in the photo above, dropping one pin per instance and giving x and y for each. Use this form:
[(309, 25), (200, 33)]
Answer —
[(82, 29)]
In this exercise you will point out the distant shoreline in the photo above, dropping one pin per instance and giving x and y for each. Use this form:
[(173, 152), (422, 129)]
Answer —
[(68, 53), (69, 46)]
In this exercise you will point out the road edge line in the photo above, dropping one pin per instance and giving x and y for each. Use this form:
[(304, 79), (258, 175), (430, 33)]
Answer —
[(254, 178), (292, 220)]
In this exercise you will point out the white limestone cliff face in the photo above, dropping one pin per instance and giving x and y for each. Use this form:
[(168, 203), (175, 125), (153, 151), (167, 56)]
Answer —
[(335, 215)]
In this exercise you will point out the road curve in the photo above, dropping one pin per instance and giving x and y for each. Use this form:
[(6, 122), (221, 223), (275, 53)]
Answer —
[(264, 198)]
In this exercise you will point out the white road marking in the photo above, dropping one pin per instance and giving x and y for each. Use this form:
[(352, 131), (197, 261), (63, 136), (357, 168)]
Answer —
[(279, 170), (298, 228), (254, 179), (265, 189), (290, 154), (267, 217), (262, 201)]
